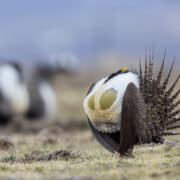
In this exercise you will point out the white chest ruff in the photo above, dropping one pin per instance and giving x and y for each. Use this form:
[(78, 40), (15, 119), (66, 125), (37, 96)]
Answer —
[(108, 119)]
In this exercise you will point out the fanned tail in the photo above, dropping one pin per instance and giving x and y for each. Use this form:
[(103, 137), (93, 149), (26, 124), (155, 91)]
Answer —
[(171, 89), (141, 76), (162, 106), (161, 69), (169, 134), (165, 83)]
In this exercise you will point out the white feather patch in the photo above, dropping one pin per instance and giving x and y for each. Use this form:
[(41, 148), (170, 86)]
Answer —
[(14, 91), (49, 99)]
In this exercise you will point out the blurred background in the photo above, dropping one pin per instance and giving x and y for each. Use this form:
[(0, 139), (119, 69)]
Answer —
[(58, 48)]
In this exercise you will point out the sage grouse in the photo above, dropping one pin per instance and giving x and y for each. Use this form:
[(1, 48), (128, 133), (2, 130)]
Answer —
[(14, 98), (128, 108), (43, 103)]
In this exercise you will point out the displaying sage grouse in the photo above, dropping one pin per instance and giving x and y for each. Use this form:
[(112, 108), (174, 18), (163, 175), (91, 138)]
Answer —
[(130, 108)]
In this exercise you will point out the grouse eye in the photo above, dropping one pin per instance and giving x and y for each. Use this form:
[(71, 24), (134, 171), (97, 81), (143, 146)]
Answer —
[(108, 98), (91, 102)]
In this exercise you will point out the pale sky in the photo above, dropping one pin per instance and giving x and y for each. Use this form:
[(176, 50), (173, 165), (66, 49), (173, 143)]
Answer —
[(40, 28)]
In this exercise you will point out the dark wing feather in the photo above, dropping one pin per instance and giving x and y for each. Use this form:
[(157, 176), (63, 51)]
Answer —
[(133, 120), (107, 140)]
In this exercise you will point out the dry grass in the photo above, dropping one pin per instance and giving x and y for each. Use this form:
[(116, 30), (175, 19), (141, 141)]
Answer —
[(76, 154)]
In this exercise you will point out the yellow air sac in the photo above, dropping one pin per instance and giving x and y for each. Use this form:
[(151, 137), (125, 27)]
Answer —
[(91, 103), (108, 98)]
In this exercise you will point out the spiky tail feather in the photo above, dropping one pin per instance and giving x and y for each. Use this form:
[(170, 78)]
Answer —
[(161, 105)]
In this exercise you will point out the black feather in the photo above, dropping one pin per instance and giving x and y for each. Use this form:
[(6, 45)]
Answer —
[(91, 88)]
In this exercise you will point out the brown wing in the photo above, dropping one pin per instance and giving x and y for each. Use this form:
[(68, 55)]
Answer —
[(133, 120)]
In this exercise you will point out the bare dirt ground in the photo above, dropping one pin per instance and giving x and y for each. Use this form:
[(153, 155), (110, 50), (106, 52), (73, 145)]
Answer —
[(59, 154)]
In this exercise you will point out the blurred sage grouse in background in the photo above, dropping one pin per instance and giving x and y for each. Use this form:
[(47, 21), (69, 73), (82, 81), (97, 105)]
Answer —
[(14, 97), (129, 108)]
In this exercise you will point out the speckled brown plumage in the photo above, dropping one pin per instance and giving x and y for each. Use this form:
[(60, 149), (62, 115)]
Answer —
[(161, 101)]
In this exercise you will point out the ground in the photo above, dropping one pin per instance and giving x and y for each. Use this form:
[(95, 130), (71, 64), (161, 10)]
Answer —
[(54, 153), (66, 149)]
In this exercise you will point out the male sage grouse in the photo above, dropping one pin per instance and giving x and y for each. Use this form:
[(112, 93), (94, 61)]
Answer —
[(128, 108)]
